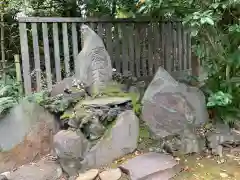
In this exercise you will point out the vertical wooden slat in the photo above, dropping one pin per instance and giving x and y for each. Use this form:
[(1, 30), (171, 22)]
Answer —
[(150, 49), (163, 53), (189, 51), (175, 60), (124, 40), (75, 46), (117, 48), (137, 49), (109, 42), (156, 46), (56, 52), (66, 49), (168, 39), (179, 39), (47, 55), (131, 49), (36, 56), (184, 50), (100, 30), (144, 50), (25, 57)]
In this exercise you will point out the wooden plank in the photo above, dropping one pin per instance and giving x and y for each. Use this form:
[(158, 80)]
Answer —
[(100, 31), (124, 40), (150, 49), (175, 60), (163, 53), (47, 56), (131, 49), (18, 72), (179, 38), (168, 46), (75, 46), (66, 49), (144, 19), (36, 56), (137, 50), (184, 50), (157, 49), (56, 52), (109, 42), (143, 36), (117, 48), (189, 51), (25, 58)]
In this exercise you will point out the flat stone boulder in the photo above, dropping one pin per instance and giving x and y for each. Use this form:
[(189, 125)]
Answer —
[(106, 101), (67, 83), (41, 170), (119, 140), (94, 66), (168, 105), (70, 147), (151, 166), (111, 174), (26, 134)]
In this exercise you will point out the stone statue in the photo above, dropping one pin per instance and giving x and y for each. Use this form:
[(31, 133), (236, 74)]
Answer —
[(93, 62)]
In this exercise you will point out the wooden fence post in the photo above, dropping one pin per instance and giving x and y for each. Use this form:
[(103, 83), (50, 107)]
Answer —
[(18, 72)]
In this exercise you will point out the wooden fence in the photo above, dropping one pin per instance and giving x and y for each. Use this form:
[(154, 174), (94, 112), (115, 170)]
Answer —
[(136, 45)]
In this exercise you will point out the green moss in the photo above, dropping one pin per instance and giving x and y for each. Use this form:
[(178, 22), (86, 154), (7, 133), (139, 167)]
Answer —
[(113, 89), (144, 132), (66, 115)]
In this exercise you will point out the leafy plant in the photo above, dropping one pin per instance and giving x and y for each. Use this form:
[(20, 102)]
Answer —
[(56, 104), (9, 95)]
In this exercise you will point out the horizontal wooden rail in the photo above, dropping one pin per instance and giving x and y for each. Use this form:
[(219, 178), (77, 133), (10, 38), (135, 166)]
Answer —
[(90, 20)]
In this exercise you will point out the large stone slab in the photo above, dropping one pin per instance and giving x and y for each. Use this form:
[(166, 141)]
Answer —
[(168, 105), (25, 135), (21, 121), (106, 101), (151, 166), (70, 147), (120, 140), (41, 170), (93, 63)]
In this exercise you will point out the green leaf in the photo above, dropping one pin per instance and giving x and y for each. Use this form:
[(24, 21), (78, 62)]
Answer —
[(209, 21)]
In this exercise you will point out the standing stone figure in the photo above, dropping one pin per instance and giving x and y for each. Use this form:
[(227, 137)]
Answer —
[(94, 67)]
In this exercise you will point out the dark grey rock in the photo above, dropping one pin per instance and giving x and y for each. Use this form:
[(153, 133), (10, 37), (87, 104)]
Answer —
[(117, 141), (222, 136), (41, 170), (21, 119), (169, 105), (3, 177), (70, 147), (151, 166)]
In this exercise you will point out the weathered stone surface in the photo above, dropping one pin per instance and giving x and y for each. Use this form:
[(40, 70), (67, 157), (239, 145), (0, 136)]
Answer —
[(111, 174), (191, 142), (106, 101), (41, 170), (93, 62), (6, 174), (59, 88), (88, 175), (70, 147), (151, 166), (118, 141), (222, 136), (25, 134), (3, 177), (19, 122), (169, 105)]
